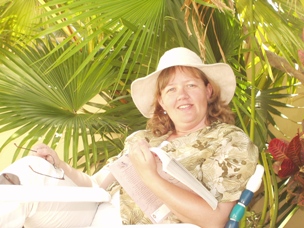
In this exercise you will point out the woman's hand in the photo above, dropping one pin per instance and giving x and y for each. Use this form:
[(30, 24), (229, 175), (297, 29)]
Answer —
[(143, 160), (47, 153), (79, 178)]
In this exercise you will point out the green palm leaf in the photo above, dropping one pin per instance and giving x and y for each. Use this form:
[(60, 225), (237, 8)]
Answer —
[(48, 104), (66, 70)]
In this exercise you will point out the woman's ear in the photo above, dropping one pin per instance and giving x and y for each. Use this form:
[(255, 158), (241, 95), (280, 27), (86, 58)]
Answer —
[(160, 101), (209, 90)]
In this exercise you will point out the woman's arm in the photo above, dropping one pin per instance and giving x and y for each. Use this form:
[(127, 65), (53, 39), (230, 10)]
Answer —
[(78, 177), (187, 206)]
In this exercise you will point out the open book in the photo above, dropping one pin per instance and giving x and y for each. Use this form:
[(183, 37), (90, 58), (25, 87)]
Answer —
[(169, 169)]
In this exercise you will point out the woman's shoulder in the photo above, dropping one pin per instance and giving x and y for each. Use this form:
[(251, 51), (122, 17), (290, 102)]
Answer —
[(222, 131), (236, 137)]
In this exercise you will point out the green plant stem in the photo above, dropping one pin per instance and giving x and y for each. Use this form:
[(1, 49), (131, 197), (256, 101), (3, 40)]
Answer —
[(252, 54), (288, 217), (237, 110), (267, 190), (275, 194)]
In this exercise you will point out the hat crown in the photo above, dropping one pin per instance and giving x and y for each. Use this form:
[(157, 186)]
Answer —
[(178, 56)]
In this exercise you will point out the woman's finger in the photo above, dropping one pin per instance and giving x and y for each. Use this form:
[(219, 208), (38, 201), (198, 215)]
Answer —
[(47, 153)]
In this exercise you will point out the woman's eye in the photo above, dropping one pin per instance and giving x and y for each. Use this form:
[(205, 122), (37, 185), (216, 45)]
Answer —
[(191, 85), (170, 90)]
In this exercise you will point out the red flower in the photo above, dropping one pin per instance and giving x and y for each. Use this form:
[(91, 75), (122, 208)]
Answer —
[(290, 155), (289, 162)]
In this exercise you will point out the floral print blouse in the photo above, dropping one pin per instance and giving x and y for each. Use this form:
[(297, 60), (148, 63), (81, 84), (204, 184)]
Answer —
[(221, 156)]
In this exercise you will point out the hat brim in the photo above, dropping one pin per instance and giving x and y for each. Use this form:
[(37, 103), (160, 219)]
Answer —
[(143, 89)]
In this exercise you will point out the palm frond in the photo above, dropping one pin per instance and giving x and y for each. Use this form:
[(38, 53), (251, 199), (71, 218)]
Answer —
[(47, 104)]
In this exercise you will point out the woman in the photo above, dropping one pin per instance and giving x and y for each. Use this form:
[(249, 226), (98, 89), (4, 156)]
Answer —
[(187, 103)]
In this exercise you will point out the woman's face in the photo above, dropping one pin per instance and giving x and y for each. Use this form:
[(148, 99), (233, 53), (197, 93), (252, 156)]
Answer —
[(185, 99)]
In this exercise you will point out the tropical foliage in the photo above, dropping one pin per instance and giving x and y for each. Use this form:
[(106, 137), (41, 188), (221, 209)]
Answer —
[(289, 163), (66, 69)]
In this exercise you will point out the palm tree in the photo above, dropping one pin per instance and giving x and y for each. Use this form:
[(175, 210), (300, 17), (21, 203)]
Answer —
[(54, 64)]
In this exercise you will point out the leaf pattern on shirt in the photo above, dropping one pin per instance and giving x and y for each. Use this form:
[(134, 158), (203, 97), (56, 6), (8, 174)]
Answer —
[(221, 156)]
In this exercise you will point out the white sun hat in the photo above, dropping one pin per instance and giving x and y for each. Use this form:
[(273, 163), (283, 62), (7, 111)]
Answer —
[(143, 89)]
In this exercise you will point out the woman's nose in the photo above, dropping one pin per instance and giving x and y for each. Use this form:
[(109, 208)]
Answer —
[(182, 94)]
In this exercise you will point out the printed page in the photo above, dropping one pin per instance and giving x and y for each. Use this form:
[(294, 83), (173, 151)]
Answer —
[(128, 178)]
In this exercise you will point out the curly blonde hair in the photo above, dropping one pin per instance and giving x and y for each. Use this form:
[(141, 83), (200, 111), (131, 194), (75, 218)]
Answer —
[(160, 123)]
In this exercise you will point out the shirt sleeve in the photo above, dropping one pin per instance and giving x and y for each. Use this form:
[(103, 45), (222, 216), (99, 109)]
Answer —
[(232, 163)]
